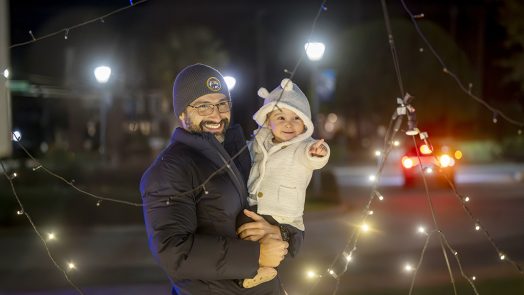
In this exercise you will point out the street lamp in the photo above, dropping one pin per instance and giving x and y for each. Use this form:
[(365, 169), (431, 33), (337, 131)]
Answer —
[(314, 52), (102, 75), (231, 82)]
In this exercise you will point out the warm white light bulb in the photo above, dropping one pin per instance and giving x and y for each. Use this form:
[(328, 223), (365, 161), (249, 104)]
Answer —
[(331, 272), (51, 236), (421, 230), (6, 73), (378, 153), (364, 227), (370, 212), (408, 267), (372, 178), (429, 170), (315, 50), (474, 278), (396, 143), (230, 82), (502, 256), (71, 265), (311, 274), (466, 199), (349, 258), (477, 227)]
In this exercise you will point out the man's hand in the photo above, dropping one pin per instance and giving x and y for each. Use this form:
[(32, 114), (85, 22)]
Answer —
[(318, 149), (256, 230), (272, 252)]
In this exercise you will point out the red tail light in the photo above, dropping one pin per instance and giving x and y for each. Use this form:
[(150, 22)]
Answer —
[(407, 162)]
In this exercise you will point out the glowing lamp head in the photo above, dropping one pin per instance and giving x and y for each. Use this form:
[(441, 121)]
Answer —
[(102, 74), (314, 50)]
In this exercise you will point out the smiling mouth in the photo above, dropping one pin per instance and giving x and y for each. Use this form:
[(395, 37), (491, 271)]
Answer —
[(212, 126)]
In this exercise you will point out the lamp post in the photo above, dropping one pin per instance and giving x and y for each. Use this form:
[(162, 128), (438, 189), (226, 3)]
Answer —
[(314, 52), (102, 75)]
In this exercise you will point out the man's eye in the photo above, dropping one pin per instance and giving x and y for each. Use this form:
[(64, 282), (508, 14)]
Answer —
[(203, 106)]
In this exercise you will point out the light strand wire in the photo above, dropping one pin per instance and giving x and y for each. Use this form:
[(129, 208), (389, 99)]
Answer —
[(453, 75), (44, 243), (67, 30)]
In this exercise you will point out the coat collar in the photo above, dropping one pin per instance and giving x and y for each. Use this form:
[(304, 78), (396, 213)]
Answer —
[(206, 144)]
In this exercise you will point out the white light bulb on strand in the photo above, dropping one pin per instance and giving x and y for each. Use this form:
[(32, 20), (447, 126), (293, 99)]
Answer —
[(428, 170), (311, 274), (364, 227), (378, 153), (519, 132), (408, 267), (474, 278), (372, 178), (37, 167), (6, 73), (370, 212), (19, 212), (66, 34), (51, 236), (98, 203), (466, 199), (348, 257), (422, 230), (495, 119), (396, 143), (71, 265), (502, 256), (477, 227)]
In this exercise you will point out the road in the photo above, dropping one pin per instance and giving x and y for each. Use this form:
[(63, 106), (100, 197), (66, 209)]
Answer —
[(116, 260)]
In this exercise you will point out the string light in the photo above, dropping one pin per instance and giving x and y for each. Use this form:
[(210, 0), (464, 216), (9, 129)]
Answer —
[(310, 274), (348, 257), (51, 236), (502, 256), (372, 178), (370, 212), (396, 143), (37, 167), (466, 199), (428, 170), (378, 153), (474, 278), (364, 227), (71, 265), (19, 212), (495, 119), (477, 227), (422, 230), (14, 175), (6, 73), (408, 267), (66, 34), (98, 203)]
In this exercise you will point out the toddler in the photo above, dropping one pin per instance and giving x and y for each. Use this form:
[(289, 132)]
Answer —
[(284, 157)]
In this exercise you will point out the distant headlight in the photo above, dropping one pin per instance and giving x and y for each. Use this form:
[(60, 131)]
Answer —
[(446, 161)]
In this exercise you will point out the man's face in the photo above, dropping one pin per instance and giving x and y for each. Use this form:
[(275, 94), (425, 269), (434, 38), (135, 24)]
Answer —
[(195, 120)]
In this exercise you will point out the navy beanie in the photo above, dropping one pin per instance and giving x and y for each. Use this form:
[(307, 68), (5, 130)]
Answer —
[(195, 81)]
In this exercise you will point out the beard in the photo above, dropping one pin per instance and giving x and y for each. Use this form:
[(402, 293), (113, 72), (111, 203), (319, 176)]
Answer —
[(194, 128)]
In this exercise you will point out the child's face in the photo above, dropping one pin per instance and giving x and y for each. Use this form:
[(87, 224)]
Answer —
[(285, 125)]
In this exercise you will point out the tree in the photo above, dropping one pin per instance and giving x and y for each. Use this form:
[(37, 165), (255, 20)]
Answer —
[(367, 86)]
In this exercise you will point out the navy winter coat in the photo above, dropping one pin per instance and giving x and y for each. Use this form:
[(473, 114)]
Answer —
[(191, 228)]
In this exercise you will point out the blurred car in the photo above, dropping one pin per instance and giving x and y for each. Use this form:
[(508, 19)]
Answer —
[(435, 160)]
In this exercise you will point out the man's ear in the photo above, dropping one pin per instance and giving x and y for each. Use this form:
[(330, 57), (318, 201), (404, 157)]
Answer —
[(182, 118)]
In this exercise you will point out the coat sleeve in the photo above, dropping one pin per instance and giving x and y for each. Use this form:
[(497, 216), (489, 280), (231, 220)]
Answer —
[(309, 161), (296, 237), (171, 227)]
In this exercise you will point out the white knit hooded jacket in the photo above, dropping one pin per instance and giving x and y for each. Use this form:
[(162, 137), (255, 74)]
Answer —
[(279, 176)]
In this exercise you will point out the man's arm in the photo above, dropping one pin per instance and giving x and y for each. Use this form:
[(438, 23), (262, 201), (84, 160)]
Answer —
[(173, 240)]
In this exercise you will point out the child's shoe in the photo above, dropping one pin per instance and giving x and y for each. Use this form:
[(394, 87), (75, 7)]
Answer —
[(264, 274)]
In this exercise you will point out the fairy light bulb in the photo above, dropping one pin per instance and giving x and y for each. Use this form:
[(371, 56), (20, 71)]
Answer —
[(474, 278), (311, 274), (370, 212), (421, 230), (348, 257), (408, 267), (477, 227), (51, 236), (19, 212), (372, 178), (396, 143), (466, 199), (502, 256), (378, 153), (364, 227), (429, 170), (71, 265)]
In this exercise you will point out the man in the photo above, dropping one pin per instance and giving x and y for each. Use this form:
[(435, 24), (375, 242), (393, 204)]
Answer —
[(193, 192)]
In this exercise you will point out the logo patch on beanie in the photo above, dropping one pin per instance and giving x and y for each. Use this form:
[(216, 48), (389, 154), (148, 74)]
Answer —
[(214, 84)]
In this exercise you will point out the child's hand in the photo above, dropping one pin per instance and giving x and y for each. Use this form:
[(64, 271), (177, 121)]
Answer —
[(318, 149)]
